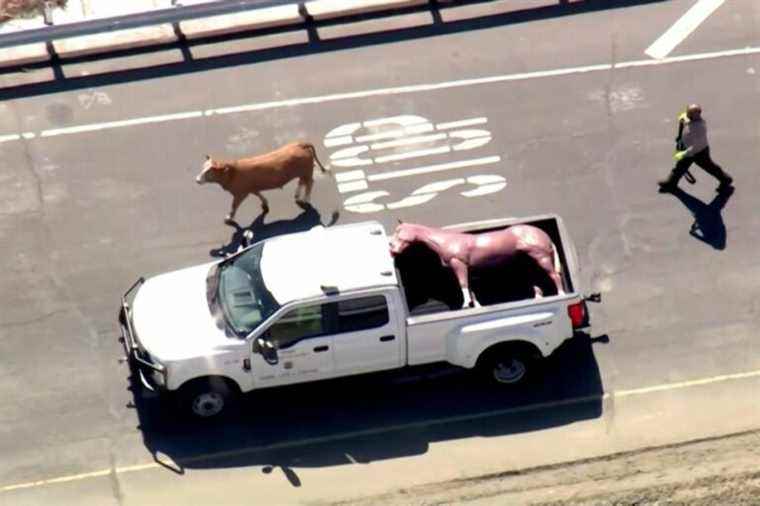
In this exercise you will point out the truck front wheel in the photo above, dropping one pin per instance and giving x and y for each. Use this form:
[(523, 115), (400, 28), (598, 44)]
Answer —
[(508, 366), (207, 399)]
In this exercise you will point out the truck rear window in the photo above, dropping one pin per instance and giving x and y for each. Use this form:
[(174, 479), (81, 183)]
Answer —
[(362, 313)]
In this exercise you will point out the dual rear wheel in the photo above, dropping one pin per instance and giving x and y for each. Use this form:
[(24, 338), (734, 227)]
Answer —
[(509, 365)]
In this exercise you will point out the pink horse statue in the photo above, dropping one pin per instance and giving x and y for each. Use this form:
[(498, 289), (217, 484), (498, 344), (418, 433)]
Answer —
[(461, 251)]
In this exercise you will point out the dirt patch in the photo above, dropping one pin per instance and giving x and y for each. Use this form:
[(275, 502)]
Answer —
[(12, 9)]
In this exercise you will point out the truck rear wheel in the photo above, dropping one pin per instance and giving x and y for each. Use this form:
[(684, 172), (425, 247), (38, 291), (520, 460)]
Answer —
[(207, 399), (508, 366)]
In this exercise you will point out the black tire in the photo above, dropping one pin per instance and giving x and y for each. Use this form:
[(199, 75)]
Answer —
[(509, 366), (208, 399)]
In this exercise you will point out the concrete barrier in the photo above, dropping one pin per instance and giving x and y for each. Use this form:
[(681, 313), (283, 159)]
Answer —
[(115, 41), (330, 9), (26, 54), (270, 17)]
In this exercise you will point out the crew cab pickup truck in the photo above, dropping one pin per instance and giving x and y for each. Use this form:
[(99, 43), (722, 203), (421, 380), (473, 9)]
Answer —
[(332, 302)]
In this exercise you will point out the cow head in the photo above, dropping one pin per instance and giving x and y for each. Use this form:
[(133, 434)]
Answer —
[(212, 171)]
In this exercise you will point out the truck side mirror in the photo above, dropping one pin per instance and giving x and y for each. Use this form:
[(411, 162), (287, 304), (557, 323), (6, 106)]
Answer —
[(266, 349)]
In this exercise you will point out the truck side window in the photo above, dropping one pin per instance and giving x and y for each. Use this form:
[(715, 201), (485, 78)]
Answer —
[(300, 323), (362, 313)]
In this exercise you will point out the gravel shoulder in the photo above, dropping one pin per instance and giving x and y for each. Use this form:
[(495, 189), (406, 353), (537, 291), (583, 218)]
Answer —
[(721, 470)]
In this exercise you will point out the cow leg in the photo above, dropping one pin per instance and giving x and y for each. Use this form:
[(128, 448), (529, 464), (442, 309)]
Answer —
[(308, 183), (264, 203), (236, 201), (461, 271)]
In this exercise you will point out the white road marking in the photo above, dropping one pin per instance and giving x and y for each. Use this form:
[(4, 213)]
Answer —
[(349, 175), (121, 124), (388, 91), (434, 168), (682, 28), (462, 123), (412, 154), (414, 130), (365, 202), (393, 134), (352, 186), (388, 429), (407, 141), (486, 185)]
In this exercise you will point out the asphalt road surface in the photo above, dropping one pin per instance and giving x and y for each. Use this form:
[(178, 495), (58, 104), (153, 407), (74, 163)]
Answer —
[(97, 188)]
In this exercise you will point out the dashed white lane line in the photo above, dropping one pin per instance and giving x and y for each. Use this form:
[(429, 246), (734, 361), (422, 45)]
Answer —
[(383, 91), (683, 28), (388, 429)]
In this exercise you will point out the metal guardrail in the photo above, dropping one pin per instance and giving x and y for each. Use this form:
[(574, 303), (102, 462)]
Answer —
[(160, 16)]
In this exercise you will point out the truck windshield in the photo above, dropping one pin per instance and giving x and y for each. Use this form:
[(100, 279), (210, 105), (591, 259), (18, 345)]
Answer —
[(241, 293)]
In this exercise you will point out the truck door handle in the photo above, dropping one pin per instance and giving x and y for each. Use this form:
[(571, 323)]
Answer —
[(320, 349), (387, 338)]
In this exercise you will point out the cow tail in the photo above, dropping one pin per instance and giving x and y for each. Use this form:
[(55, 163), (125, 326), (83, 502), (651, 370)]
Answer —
[(314, 154)]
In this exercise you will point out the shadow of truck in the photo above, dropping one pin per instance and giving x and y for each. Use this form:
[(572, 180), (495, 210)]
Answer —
[(374, 417)]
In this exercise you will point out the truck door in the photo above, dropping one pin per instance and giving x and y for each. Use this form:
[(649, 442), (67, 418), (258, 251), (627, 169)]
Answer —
[(367, 337), (304, 348)]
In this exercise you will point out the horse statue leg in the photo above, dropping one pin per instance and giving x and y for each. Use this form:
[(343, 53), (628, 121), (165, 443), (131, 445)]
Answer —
[(461, 272), (549, 262)]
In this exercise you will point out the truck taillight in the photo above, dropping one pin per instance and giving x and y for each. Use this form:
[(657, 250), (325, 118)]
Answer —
[(577, 314)]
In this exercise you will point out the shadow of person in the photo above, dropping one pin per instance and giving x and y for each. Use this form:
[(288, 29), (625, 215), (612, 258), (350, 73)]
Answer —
[(258, 230), (708, 224)]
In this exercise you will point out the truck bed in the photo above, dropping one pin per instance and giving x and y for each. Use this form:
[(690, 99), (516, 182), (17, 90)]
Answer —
[(430, 287)]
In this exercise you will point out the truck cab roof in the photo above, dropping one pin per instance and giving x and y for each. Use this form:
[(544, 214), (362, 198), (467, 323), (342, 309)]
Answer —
[(323, 260)]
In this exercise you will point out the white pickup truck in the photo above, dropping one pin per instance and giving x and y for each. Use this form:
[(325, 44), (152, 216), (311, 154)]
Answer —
[(333, 302)]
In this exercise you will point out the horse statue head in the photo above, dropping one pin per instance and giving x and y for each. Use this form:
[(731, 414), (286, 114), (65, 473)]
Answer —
[(404, 235)]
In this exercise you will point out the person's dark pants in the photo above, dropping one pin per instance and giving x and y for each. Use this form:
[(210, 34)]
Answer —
[(705, 162)]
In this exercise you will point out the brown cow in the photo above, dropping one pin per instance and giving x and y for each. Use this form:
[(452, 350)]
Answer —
[(264, 172)]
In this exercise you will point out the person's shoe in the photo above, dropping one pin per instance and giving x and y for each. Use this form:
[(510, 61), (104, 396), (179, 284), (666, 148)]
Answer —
[(667, 186)]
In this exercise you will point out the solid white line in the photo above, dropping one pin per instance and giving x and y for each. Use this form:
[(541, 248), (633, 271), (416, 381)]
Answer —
[(392, 428), (120, 124), (434, 168), (682, 28), (8, 138), (388, 91), (747, 51), (686, 384)]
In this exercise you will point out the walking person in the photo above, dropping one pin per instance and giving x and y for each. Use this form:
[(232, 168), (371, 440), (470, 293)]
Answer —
[(691, 148)]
